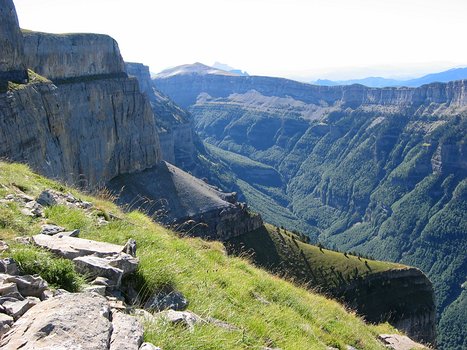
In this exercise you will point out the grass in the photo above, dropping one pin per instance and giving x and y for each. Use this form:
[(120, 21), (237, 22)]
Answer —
[(279, 250), (267, 310)]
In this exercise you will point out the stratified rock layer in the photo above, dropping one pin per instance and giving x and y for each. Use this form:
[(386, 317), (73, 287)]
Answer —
[(12, 67), (65, 56)]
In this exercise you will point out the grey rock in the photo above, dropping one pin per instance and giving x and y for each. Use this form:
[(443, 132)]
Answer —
[(127, 332), (12, 67), (18, 308), (5, 324), (400, 342), (8, 266), (46, 198), (95, 289), (101, 281), (94, 266), (51, 229), (33, 209), (149, 346), (72, 247), (167, 300), (74, 233), (23, 240), (184, 318), (9, 289), (130, 247), (61, 57), (83, 323), (46, 294), (29, 286)]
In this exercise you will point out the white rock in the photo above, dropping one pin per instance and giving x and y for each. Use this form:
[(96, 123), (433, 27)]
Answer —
[(127, 332)]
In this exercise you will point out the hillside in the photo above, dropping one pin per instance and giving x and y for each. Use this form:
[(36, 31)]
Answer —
[(378, 171), (260, 309)]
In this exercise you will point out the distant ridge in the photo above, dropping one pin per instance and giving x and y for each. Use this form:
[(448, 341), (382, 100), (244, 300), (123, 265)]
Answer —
[(228, 68), (195, 68), (441, 77)]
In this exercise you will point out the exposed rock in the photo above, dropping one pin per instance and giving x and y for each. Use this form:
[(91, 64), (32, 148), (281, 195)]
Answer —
[(12, 67), (7, 289), (400, 342), (95, 289), (84, 323), (29, 286), (8, 266), (176, 132), (5, 324), (46, 198), (24, 240), (46, 294), (65, 56), (408, 298), (184, 318), (162, 301), (127, 332), (101, 281), (148, 346), (72, 247), (33, 209), (189, 204), (18, 308), (130, 247), (51, 229), (94, 266), (74, 233)]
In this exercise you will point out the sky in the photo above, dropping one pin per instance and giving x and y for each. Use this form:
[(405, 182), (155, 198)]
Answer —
[(298, 39)]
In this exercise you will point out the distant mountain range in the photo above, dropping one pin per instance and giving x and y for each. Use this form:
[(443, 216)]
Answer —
[(441, 77), (230, 69)]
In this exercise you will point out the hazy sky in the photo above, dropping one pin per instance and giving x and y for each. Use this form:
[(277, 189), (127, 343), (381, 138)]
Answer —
[(311, 39)]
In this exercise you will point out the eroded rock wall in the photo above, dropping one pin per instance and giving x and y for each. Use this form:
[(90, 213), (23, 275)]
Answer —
[(65, 56), (12, 67)]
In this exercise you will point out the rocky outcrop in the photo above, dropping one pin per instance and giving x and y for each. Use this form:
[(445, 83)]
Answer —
[(403, 297), (61, 57), (184, 202), (12, 67), (85, 322), (83, 133), (176, 132)]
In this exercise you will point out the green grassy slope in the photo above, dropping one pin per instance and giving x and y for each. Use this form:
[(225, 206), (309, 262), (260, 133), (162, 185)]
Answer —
[(267, 310), (284, 252)]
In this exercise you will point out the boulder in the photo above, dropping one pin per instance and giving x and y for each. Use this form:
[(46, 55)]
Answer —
[(127, 332), (29, 286), (33, 209), (73, 247), (94, 266), (8, 266), (167, 300), (74, 233), (8, 289), (184, 318), (96, 289), (46, 198), (51, 229), (68, 321)]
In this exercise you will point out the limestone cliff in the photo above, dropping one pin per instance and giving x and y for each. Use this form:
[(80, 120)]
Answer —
[(85, 122), (65, 56), (404, 297), (12, 67), (176, 132)]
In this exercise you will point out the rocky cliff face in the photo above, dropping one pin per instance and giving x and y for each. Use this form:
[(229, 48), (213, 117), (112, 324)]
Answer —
[(93, 124), (176, 132), (12, 67), (67, 56), (402, 297)]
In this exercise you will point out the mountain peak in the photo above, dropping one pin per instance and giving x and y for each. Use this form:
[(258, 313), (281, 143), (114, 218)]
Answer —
[(190, 69)]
